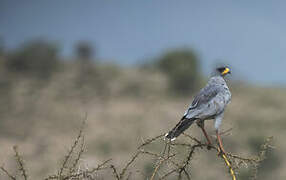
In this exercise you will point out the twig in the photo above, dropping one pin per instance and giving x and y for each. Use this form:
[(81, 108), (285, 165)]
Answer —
[(20, 163), (148, 141), (233, 162), (158, 166), (192, 138), (183, 168), (115, 172), (7, 173), (168, 174), (128, 164), (81, 150), (261, 156), (129, 175), (69, 155), (100, 166), (160, 157), (226, 131)]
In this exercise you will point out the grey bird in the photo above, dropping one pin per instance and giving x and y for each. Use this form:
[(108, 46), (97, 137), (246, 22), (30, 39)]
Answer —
[(209, 103)]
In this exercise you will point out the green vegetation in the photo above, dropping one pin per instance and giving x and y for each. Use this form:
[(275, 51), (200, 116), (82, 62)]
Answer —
[(38, 59), (182, 69)]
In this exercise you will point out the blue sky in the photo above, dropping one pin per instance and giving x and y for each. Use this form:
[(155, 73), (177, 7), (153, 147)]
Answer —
[(248, 35)]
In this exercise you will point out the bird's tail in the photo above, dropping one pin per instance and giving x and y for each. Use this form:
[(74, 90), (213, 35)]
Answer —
[(179, 128)]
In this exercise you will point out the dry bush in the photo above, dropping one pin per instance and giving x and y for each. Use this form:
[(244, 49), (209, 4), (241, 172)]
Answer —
[(166, 164)]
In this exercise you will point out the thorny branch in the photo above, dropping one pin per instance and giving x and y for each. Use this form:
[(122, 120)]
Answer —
[(20, 162), (167, 163)]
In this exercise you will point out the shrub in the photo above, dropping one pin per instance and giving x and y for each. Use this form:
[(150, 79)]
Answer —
[(84, 50), (182, 69), (36, 59)]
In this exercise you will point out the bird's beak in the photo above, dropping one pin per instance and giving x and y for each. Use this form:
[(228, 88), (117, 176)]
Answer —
[(226, 71)]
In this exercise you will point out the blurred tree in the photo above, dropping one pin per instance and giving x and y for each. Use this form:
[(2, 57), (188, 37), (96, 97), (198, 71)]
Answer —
[(87, 71), (2, 47), (182, 69), (2, 54), (5, 86), (38, 59), (89, 75), (84, 51)]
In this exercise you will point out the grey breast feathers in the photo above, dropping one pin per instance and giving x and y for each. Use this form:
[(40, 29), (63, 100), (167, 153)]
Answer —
[(210, 101)]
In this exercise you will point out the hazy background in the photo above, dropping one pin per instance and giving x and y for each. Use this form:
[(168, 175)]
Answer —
[(134, 66), (250, 35)]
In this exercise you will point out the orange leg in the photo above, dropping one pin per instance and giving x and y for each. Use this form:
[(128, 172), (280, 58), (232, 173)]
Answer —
[(220, 142), (201, 125), (206, 135)]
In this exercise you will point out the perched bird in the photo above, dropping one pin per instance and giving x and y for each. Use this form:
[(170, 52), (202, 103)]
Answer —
[(209, 103)]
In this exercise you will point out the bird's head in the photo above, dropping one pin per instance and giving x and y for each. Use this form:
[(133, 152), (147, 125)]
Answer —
[(224, 70)]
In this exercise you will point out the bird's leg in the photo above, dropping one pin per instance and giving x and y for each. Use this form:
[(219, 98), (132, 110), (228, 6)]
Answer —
[(220, 142), (201, 124), (207, 137)]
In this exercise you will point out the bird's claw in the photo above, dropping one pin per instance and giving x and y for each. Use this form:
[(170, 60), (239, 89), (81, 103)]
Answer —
[(221, 152), (209, 146)]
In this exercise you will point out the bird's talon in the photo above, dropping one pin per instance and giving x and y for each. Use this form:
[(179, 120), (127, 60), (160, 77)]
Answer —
[(209, 146), (221, 152)]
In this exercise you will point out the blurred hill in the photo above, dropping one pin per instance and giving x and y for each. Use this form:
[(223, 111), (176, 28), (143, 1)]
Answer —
[(43, 100)]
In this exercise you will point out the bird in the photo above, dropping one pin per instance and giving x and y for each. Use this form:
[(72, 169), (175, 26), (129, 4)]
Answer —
[(208, 104)]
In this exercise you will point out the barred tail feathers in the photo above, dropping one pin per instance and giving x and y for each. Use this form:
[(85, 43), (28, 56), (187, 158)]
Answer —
[(179, 128)]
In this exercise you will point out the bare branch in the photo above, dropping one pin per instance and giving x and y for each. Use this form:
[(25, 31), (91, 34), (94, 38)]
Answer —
[(20, 162), (7, 173)]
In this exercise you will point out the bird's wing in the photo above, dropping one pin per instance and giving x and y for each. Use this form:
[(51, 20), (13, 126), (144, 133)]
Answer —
[(205, 95)]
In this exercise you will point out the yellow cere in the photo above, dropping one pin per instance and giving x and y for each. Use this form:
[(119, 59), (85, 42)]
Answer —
[(225, 71)]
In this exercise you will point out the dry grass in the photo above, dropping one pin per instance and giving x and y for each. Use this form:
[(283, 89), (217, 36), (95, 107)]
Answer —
[(167, 160), (42, 123)]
